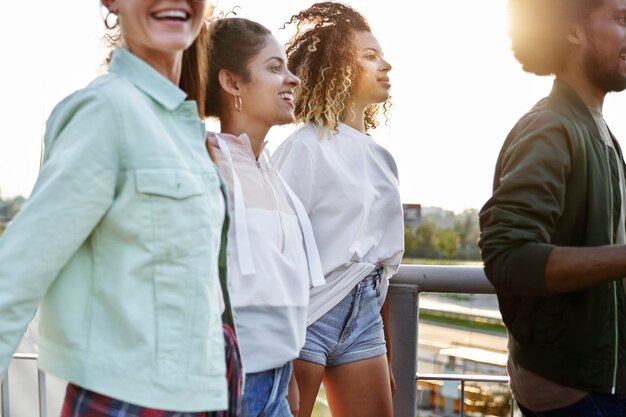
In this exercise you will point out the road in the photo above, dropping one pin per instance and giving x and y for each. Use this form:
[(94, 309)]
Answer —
[(434, 337)]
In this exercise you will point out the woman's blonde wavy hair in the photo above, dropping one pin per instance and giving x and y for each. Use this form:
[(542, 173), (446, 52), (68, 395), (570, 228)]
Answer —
[(324, 55)]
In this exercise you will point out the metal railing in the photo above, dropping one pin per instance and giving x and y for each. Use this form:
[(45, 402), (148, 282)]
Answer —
[(463, 379), (41, 388), (403, 295), (404, 292)]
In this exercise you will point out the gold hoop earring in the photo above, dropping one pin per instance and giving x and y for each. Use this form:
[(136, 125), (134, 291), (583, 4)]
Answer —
[(107, 24), (238, 103)]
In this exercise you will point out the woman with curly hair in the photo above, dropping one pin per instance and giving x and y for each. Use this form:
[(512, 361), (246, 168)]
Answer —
[(348, 184)]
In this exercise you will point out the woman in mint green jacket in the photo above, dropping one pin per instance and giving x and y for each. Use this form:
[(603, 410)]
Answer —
[(121, 236)]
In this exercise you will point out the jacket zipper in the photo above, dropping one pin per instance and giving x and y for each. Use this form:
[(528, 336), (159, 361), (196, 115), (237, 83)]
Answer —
[(616, 338), (280, 217), (612, 228)]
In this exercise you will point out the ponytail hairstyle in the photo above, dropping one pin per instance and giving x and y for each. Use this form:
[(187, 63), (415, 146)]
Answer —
[(231, 43), (194, 73)]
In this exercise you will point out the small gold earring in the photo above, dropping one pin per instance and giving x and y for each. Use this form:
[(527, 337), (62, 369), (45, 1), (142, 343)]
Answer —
[(238, 103)]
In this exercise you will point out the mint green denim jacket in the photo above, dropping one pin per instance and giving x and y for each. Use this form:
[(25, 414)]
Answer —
[(120, 241)]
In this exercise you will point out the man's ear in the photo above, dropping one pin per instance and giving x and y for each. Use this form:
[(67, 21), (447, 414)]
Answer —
[(575, 34), (229, 82)]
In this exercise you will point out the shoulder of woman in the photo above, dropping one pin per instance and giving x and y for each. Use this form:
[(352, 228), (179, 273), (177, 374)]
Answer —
[(389, 159), (88, 104), (108, 91), (303, 139), (307, 133)]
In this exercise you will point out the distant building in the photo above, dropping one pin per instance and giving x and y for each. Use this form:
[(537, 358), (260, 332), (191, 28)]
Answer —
[(412, 216)]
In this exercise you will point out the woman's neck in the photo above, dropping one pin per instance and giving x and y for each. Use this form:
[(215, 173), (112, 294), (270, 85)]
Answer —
[(354, 116), (255, 132), (168, 65)]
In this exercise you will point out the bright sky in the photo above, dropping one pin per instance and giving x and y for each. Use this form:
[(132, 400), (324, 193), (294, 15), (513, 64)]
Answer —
[(456, 88)]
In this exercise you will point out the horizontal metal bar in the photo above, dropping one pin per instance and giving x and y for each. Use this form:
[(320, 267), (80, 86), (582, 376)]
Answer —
[(462, 377), (28, 356), (445, 278)]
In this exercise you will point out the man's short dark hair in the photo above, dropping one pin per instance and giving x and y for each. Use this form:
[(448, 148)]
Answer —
[(537, 29)]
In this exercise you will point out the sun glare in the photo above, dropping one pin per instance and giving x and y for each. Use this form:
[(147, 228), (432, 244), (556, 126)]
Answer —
[(456, 88)]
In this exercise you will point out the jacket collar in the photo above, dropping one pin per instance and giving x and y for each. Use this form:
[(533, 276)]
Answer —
[(239, 145), (146, 78), (562, 90)]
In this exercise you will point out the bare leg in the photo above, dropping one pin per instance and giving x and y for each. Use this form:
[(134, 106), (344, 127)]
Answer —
[(359, 389), (293, 395), (309, 376)]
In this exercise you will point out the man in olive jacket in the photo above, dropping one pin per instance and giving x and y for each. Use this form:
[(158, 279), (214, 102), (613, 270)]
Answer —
[(552, 234)]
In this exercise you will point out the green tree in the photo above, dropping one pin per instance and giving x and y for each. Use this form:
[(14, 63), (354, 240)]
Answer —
[(425, 235), (467, 228), (446, 243), (410, 242), (444, 235)]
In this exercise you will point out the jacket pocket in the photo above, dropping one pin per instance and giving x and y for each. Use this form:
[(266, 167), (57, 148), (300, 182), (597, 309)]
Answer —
[(181, 227), (282, 276), (172, 183), (552, 321), (174, 210)]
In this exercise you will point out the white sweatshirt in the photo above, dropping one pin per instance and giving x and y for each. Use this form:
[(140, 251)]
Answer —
[(348, 185)]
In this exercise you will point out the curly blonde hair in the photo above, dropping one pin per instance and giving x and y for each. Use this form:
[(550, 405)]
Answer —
[(323, 53)]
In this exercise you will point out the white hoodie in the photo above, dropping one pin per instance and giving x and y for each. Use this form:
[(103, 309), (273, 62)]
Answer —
[(270, 263)]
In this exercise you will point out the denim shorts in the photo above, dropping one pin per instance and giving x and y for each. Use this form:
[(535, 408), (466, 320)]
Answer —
[(352, 330), (265, 393)]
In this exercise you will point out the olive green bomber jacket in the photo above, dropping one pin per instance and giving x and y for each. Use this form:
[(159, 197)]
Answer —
[(552, 188)]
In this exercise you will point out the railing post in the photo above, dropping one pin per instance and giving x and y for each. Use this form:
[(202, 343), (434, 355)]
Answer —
[(41, 384), (462, 409), (4, 384), (403, 311)]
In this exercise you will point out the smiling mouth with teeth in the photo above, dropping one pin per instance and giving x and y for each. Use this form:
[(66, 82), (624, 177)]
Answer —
[(171, 15)]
